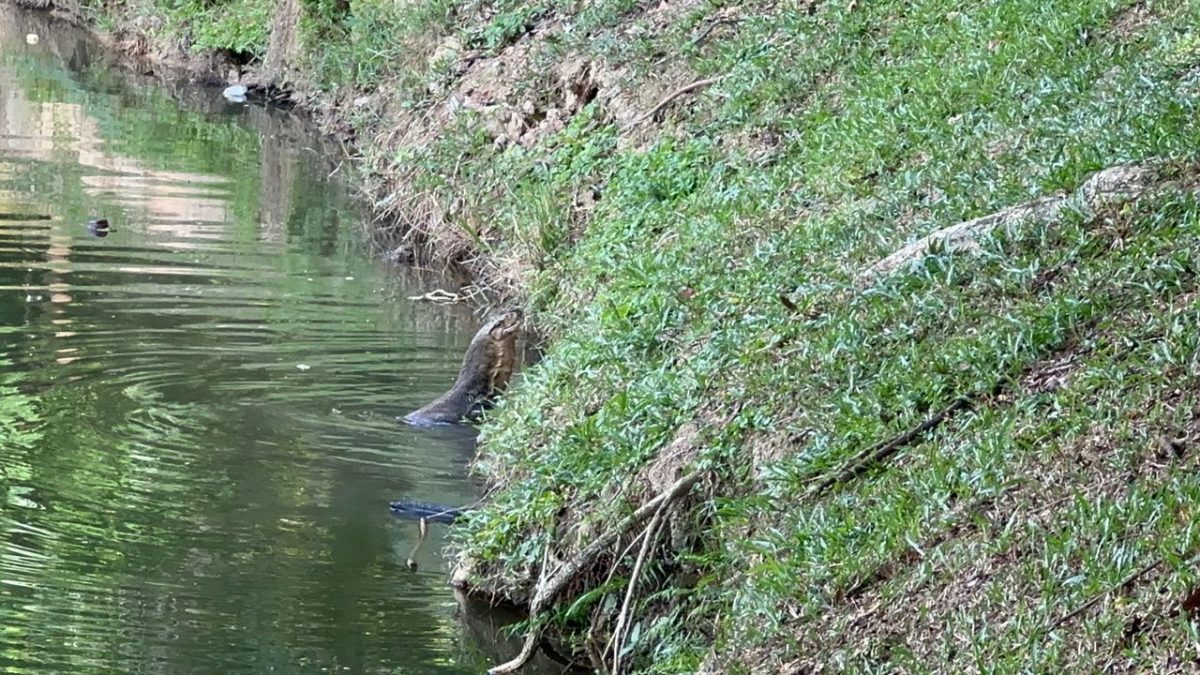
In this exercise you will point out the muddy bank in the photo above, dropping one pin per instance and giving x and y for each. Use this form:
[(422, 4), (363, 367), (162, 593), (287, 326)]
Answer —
[(130, 46), (449, 120)]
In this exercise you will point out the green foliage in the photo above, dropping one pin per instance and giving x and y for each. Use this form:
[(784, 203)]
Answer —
[(506, 27), (235, 25), (372, 44), (839, 132), (666, 305), (240, 26)]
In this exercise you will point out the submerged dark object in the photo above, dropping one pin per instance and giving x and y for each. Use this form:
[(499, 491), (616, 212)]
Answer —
[(99, 227), (428, 511), (424, 513), (24, 216), (485, 371)]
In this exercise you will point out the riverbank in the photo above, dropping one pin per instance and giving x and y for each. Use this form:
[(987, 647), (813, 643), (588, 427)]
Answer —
[(980, 458)]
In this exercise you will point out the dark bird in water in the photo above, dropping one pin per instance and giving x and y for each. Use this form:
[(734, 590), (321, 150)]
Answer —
[(424, 513), (99, 227), (434, 513)]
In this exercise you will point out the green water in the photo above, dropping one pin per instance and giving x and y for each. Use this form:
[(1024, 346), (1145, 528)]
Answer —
[(197, 412)]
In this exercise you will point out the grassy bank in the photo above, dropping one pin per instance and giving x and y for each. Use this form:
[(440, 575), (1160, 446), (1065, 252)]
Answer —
[(932, 471)]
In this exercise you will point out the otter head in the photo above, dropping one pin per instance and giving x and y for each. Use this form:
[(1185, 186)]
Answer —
[(505, 326), (502, 335), (486, 370)]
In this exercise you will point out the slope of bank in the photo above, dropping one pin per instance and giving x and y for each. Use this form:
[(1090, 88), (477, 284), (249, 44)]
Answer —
[(981, 458)]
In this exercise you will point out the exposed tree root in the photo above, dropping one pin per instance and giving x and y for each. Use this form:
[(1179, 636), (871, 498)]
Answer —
[(649, 539), (551, 584)]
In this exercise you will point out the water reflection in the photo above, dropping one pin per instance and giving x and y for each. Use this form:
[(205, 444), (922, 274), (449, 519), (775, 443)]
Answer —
[(197, 435)]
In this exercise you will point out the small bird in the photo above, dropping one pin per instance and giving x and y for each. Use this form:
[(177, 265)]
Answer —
[(99, 227)]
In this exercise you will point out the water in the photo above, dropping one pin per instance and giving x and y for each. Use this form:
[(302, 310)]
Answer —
[(197, 433)]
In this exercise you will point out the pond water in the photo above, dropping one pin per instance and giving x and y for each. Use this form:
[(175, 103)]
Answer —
[(197, 411)]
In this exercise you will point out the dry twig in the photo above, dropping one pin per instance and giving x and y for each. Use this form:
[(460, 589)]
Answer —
[(1137, 574), (444, 297), (687, 89)]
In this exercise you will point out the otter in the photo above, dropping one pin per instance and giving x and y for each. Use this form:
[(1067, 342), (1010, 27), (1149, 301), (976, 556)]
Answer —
[(486, 370)]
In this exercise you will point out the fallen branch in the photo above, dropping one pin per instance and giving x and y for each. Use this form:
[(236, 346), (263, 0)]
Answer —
[(884, 449), (1114, 185), (687, 89), (549, 586), (1137, 574), (444, 297)]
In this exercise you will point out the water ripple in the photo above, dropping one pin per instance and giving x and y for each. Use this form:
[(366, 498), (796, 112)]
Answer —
[(197, 412)]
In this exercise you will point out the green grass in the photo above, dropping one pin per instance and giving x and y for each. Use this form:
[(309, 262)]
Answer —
[(838, 134), (892, 121)]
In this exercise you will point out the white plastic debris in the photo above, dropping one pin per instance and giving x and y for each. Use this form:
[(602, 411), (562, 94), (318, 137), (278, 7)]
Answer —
[(235, 93)]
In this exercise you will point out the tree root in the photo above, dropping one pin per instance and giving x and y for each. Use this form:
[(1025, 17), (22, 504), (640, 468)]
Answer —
[(649, 539), (551, 584)]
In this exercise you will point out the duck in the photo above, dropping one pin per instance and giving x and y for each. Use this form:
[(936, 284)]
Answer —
[(99, 227)]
